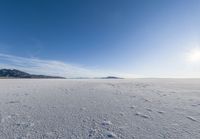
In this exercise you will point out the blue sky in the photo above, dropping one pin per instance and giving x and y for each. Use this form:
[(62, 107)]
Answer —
[(130, 38)]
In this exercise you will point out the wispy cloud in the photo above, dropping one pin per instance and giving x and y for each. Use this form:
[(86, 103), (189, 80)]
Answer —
[(50, 67)]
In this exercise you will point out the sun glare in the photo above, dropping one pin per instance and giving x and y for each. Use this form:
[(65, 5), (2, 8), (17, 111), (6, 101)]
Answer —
[(194, 55)]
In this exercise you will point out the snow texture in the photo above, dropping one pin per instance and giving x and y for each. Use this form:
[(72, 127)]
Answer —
[(100, 109)]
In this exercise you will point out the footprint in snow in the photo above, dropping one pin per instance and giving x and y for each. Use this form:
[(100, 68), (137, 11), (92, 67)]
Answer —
[(195, 105), (142, 115), (53, 134), (161, 112), (106, 123), (111, 84), (132, 96), (146, 100), (191, 118), (13, 102), (121, 114), (83, 108), (19, 137), (1, 118), (24, 124), (149, 109), (26, 106), (66, 91), (164, 95), (173, 92), (110, 134), (132, 107), (92, 132), (141, 85)]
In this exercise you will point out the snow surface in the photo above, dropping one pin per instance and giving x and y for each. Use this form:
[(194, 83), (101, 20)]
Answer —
[(100, 109)]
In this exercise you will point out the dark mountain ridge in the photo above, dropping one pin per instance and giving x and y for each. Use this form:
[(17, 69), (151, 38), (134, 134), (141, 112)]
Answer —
[(14, 73), (111, 77)]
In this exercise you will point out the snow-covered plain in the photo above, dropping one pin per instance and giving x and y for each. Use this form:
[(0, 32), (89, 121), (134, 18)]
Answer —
[(98, 109)]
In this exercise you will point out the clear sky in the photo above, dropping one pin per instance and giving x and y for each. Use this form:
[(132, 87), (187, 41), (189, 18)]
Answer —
[(131, 38)]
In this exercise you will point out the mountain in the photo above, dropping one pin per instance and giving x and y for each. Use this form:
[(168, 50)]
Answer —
[(111, 77), (13, 73)]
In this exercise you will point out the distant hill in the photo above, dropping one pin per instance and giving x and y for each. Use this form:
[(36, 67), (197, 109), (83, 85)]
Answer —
[(111, 77), (13, 73)]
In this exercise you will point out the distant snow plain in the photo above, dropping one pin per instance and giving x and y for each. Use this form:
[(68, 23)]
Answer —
[(100, 109)]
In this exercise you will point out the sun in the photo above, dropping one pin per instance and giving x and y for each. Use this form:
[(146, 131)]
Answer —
[(194, 55)]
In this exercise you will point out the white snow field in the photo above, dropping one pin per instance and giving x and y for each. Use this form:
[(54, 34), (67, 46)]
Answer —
[(100, 109)]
